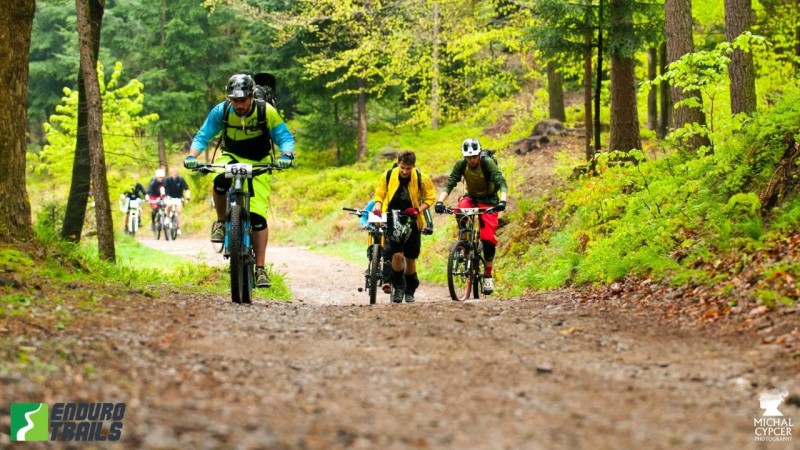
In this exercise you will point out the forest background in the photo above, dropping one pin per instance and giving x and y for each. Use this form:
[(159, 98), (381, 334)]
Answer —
[(686, 174)]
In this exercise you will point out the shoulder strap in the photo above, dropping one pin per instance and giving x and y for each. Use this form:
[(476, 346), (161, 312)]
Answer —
[(261, 116), (226, 110)]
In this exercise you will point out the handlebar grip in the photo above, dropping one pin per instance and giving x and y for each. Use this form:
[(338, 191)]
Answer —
[(350, 209)]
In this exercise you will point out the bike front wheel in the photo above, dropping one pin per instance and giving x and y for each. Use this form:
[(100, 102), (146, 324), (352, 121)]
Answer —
[(459, 274), (241, 266), (374, 272), (173, 227)]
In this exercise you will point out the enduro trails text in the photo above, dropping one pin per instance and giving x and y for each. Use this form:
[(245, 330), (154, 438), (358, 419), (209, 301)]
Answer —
[(84, 421)]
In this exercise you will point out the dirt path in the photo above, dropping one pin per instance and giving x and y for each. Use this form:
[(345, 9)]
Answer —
[(313, 277), (329, 371)]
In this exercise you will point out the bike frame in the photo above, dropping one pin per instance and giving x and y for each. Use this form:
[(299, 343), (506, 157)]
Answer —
[(134, 209), (470, 269), (376, 241), (238, 245)]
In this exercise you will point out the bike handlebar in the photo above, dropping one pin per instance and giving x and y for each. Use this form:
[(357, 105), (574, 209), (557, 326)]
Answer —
[(258, 168), (468, 211)]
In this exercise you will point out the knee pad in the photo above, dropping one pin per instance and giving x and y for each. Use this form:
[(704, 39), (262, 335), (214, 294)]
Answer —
[(258, 222), (222, 184), (489, 250)]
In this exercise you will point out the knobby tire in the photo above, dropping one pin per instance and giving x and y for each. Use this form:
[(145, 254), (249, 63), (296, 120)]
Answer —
[(459, 280), (239, 279), (374, 273), (476, 273), (173, 229)]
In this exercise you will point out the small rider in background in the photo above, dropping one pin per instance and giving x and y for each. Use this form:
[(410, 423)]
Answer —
[(136, 192), (486, 187), (155, 191), (177, 191), (401, 189)]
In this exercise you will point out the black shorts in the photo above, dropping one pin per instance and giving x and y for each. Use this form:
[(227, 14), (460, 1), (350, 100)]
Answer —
[(410, 248)]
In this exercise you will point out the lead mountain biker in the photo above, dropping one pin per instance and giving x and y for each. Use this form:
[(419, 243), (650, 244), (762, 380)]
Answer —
[(249, 127), (401, 190), (486, 187), (177, 191), (155, 191)]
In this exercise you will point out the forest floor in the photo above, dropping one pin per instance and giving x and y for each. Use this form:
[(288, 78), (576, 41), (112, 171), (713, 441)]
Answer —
[(575, 369), (555, 370)]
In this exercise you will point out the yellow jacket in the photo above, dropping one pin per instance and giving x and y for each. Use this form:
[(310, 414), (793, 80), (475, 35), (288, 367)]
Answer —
[(386, 191)]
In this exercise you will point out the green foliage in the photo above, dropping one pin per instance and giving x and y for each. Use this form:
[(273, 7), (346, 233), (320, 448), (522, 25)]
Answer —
[(661, 217), (123, 125)]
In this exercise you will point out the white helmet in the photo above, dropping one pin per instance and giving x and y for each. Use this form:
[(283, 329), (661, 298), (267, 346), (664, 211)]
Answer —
[(160, 173), (470, 147)]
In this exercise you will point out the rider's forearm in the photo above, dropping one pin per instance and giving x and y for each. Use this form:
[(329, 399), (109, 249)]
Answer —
[(443, 196)]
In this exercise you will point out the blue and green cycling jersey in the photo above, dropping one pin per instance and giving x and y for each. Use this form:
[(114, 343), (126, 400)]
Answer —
[(243, 136)]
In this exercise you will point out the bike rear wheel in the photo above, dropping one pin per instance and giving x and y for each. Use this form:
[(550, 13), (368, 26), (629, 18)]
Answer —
[(173, 227), (157, 227), (477, 274), (459, 276), (241, 264), (374, 273)]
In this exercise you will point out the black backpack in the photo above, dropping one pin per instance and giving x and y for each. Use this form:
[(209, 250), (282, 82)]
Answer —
[(485, 153), (266, 85), (261, 114)]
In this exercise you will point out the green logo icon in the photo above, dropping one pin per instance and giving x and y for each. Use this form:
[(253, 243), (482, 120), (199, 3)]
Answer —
[(29, 422)]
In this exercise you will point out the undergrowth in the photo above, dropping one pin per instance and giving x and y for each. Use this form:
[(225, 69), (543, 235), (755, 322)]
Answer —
[(666, 216)]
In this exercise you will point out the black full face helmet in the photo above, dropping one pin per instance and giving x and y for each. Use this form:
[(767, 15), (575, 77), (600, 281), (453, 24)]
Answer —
[(241, 85)]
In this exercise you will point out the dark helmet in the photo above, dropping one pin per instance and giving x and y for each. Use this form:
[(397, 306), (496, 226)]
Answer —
[(241, 85)]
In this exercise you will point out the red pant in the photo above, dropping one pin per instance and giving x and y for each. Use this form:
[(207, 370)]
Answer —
[(488, 221)]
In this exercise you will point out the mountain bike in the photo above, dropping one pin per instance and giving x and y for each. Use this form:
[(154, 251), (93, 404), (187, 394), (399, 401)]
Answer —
[(160, 219), (133, 213), (376, 274), (171, 218), (238, 244), (465, 263)]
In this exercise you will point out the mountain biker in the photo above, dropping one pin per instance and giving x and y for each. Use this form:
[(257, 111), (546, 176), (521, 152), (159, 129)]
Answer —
[(177, 191), (401, 190), (155, 191), (486, 187), (137, 191), (245, 142)]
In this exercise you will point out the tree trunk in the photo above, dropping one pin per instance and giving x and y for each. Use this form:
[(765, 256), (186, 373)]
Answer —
[(105, 226), (678, 24), (362, 122), (598, 83), (652, 95), (162, 146), (738, 17), (555, 91), (16, 22), (624, 114), (665, 121), (587, 82), (435, 74), (80, 184)]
